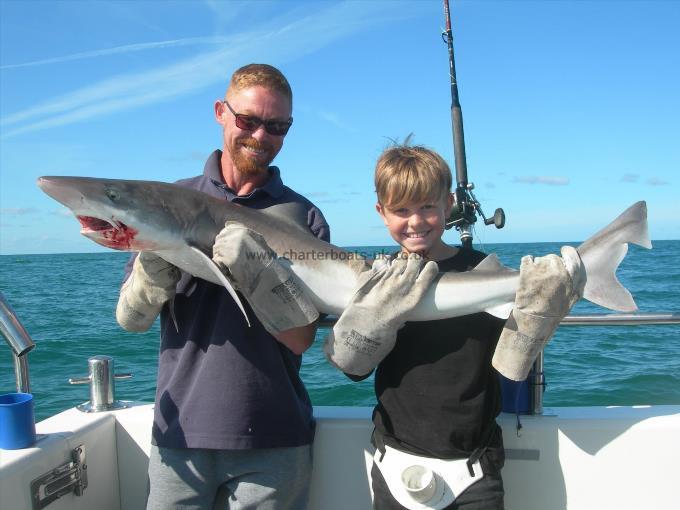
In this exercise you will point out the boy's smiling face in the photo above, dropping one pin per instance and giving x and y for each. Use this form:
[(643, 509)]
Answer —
[(418, 226)]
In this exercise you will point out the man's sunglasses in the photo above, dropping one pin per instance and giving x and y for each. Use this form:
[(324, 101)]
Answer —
[(251, 123)]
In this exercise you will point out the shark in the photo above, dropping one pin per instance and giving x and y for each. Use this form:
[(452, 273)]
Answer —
[(180, 225)]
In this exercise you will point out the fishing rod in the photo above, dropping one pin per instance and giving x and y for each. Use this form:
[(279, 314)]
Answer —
[(465, 204)]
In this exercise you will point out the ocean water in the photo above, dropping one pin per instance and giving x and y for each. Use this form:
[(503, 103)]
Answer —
[(66, 302)]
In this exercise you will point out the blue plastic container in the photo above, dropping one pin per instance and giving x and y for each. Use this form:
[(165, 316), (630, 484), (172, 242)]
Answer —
[(17, 422)]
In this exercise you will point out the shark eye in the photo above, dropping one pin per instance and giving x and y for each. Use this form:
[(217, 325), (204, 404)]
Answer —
[(112, 194)]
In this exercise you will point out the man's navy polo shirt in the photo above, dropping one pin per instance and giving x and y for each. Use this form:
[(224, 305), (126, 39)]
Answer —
[(223, 385)]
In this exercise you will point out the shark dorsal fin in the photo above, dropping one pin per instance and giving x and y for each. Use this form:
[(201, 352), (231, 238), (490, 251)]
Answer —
[(490, 263), (292, 213)]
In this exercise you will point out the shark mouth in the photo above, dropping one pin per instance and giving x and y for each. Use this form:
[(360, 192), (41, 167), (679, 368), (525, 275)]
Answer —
[(116, 234)]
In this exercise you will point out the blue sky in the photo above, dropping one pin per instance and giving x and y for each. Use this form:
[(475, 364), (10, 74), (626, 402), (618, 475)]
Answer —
[(571, 109)]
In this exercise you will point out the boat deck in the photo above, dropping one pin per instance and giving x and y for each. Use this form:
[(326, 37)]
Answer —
[(568, 458)]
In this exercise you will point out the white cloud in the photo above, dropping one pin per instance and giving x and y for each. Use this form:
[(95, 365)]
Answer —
[(334, 119), (63, 212), (542, 179), (285, 38), (331, 201), (128, 48), (18, 211)]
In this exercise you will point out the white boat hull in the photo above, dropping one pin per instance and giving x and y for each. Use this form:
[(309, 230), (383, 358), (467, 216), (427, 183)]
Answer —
[(583, 458)]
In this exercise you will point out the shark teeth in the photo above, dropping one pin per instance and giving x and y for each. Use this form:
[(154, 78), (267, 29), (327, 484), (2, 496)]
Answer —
[(95, 224)]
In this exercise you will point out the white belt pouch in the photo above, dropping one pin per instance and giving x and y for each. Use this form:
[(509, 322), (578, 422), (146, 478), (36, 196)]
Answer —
[(423, 482)]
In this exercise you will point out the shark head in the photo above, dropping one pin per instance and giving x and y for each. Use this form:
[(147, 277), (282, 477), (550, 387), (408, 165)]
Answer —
[(118, 214)]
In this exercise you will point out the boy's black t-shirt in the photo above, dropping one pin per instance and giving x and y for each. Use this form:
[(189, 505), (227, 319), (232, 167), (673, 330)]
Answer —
[(438, 394)]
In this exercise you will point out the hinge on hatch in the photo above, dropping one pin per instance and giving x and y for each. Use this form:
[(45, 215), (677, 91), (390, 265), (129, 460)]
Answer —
[(62, 480)]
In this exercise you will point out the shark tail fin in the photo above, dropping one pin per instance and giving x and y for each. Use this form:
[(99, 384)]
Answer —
[(602, 253)]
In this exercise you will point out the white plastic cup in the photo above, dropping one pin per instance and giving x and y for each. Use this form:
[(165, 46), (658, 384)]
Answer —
[(419, 483)]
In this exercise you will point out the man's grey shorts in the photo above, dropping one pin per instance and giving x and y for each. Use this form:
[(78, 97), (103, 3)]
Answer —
[(267, 479)]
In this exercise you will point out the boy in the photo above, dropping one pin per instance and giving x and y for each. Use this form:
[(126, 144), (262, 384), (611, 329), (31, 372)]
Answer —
[(438, 394)]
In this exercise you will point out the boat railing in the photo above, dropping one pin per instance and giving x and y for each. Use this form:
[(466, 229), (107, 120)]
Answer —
[(592, 319), (101, 370), (536, 379), (19, 342), (621, 319)]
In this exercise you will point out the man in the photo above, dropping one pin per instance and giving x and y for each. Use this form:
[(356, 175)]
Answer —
[(233, 423)]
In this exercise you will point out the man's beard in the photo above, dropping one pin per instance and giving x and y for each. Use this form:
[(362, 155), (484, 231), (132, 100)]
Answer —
[(246, 165)]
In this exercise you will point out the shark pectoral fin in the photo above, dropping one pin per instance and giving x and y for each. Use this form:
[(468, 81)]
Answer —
[(603, 252), (223, 279), (501, 311), (171, 306)]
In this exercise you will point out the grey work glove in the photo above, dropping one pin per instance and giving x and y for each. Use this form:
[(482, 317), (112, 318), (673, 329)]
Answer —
[(151, 283), (548, 288), (274, 294), (367, 330)]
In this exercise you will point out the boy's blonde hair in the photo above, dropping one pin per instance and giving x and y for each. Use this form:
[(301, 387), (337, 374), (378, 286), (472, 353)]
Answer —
[(406, 174), (264, 75)]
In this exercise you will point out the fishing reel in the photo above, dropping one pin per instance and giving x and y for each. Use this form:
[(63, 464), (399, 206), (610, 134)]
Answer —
[(465, 210), (465, 204)]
